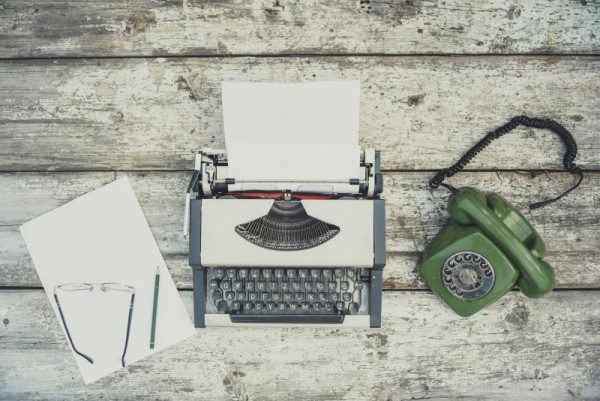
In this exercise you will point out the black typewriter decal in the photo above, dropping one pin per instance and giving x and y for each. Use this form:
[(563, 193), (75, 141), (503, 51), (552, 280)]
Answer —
[(287, 227)]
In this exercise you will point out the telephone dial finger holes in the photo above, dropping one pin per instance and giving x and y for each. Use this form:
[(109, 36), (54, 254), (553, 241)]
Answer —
[(468, 275)]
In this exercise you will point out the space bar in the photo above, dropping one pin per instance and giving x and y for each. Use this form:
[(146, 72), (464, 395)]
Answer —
[(299, 319)]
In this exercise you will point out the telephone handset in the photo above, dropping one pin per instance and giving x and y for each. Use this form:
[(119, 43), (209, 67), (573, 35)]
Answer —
[(537, 276), (488, 246)]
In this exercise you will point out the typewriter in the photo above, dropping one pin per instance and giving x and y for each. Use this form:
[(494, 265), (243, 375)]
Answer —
[(285, 253)]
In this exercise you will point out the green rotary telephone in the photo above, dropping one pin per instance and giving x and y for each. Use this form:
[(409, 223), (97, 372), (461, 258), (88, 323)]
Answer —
[(488, 246)]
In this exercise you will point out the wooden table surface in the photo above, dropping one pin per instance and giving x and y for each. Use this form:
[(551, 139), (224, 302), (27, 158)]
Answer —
[(93, 90)]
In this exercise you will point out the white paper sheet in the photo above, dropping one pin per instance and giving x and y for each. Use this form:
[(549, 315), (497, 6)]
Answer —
[(103, 236), (299, 132)]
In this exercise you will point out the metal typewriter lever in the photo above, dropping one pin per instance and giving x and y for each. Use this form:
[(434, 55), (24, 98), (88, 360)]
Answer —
[(294, 319)]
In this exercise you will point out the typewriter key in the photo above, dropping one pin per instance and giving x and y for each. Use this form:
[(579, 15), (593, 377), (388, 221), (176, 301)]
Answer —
[(222, 306)]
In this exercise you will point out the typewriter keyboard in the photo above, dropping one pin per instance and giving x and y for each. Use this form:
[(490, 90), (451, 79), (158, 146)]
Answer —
[(240, 291)]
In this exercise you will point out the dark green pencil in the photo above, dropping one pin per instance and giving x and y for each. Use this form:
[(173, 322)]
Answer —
[(154, 307)]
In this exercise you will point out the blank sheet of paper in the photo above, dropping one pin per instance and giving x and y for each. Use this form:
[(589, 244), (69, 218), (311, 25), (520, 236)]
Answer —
[(299, 132), (103, 237)]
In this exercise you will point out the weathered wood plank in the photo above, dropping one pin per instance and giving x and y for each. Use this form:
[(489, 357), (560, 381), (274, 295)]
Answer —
[(40, 28), (519, 348), (414, 216), (423, 112)]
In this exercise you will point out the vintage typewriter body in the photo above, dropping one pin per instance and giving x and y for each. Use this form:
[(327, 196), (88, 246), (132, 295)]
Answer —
[(281, 253)]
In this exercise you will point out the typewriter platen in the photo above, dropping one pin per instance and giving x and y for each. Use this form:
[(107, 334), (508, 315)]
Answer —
[(281, 253)]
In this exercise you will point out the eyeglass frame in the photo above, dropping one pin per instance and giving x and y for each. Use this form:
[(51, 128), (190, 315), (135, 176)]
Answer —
[(103, 287)]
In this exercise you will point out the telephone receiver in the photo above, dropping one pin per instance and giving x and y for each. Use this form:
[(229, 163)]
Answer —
[(485, 249)]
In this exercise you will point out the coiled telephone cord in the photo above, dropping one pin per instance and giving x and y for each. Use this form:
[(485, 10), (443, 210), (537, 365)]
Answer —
[(554, 126)]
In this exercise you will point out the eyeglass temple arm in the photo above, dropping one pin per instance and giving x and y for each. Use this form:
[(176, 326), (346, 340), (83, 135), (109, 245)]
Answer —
[(128, 329), (64, 322)]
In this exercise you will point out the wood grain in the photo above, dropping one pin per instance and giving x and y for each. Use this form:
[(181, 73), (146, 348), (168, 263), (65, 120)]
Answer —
[(414, 216), (436, 76), (42, 28), (516, 349), (424, 113)]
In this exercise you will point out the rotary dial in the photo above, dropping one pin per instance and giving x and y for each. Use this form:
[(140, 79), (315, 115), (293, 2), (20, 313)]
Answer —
[(468, 275)]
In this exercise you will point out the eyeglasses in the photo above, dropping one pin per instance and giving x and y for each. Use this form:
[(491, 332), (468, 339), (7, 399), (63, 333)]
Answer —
[(104, 287)]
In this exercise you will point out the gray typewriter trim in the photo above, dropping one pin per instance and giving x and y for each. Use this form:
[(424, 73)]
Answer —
[(196, 223), (375, 297), (378, 234), (199, 298), (378, 217), (195, 262), (379, 261), (379, 253)]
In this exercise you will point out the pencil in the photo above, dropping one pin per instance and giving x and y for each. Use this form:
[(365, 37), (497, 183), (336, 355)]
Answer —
[(154, 307)]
